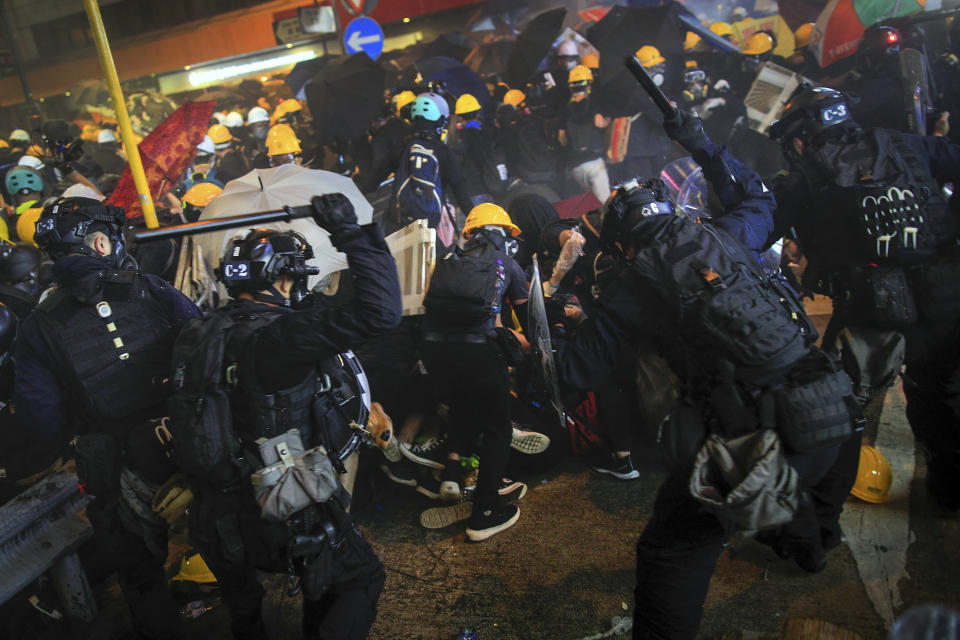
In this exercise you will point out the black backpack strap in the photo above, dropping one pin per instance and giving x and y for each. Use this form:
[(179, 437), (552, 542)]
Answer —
[(918, 172)]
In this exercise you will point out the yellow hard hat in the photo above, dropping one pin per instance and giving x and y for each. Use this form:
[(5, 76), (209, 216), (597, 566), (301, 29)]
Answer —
[(487, 213), (402, 99), (690, 41), (90, 133), (35, 150), (281, 140), (219, 134), (285, 107), (722, 29), (802, 35), (591, 61), (874, 477), (580, 74), (758, 44), (466, 104), (514, 97), (200, 194), (27, 225), (649, 56), (193, 568)]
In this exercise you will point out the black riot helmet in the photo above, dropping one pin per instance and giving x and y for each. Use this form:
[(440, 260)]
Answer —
[(253, 263), (19, 265), (630, 204), (879, 46), (64, 223), (815, 115)]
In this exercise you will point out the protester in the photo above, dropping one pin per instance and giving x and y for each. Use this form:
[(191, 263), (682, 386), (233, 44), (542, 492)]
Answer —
[(582, 135)]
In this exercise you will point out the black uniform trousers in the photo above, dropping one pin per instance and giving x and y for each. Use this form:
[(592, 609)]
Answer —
[(473, 378), (678, 550)]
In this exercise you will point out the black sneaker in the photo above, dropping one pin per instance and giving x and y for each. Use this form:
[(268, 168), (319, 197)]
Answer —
[(615, 466), (428, 454), (491, 521), (511, 491), (450, 481), (429, 487), (401, 472)]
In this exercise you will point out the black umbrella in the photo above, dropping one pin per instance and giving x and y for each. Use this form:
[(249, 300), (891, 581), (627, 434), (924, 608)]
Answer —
[(619, 34), (345, 97), (490, 57), (533, 45), (448, 45), (458, 78), (303, 71)]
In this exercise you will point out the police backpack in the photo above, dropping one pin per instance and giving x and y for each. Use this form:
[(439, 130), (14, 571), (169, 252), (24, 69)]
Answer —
[(419, 185), (466, 288)]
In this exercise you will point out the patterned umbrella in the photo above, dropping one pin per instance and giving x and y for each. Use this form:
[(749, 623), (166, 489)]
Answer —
[(166, 153), (841, 24)]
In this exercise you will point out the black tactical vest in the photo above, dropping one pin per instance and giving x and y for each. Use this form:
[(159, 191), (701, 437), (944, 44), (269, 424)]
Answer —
[(112, 343)]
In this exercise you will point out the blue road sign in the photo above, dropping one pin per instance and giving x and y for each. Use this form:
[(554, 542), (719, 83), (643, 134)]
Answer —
[(364, 34)]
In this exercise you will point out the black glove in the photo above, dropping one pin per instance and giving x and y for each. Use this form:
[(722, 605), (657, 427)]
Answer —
[(686, 129), (334, 212)]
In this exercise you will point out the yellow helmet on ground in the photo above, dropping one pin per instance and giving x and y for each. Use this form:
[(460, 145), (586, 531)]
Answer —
[(874, 477), (200, 194), (487, 213), (27, 225), (802, 35), (722, 29), (286, 107), (514, 97), (649, 56), (282, 140), (580, 74), (466, 104), (758, 44), (690, 41), (220, 134), (402, 99), (193, 568), (591, 61)]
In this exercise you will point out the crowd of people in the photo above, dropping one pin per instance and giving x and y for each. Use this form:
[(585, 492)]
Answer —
[(631, 324)]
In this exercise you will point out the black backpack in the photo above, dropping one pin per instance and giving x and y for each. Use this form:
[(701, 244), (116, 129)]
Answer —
[(466, 287), (419, 184), (721, 302)]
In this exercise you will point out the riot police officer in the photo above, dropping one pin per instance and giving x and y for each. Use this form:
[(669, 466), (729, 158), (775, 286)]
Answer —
[(92, 359), (280, 385), (674, 275), (867, 208)]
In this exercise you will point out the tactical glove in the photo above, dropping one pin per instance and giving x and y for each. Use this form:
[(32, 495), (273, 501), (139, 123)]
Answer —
[(334, 212), (686, 130)]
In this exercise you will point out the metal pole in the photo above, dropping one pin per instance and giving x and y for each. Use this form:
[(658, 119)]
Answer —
[(17, 60), (219, 224), (123, 118)]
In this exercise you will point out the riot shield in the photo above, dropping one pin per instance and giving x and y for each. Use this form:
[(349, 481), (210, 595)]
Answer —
[(545, 370), (916, 89)]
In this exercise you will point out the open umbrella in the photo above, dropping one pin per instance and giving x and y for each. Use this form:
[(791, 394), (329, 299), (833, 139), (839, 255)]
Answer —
[(841, 24), (345, 97), (533, 45), (166, 153), (448, 45), (286, 185), (619, 34), (458, 78), (490, 57), (302, 72)]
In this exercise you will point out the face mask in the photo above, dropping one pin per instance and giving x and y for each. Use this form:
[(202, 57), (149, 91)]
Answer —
[(511, 246), (570, 63), (260, 133)]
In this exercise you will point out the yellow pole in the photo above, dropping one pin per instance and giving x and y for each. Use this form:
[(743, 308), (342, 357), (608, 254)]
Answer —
[(123, 118)]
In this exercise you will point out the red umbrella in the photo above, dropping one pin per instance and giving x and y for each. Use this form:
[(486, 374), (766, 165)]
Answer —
[(842, 22), (576, 206), (166, 153)]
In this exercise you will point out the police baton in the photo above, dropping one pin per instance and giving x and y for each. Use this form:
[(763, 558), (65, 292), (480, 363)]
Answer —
[(659, 98), (286, 214)]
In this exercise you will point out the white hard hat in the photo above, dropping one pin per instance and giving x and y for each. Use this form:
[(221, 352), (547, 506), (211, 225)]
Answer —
[(31, 161), (257, 114), (82, 191), (19, 135), (207, 145), (106, 135), (568, 48), (219, 117), (233, 119)]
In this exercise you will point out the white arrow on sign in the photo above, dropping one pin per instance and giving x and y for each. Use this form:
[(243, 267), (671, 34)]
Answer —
[(357, 41)]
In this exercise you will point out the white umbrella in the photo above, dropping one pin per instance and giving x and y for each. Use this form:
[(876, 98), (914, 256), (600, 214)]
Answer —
[(271, 189)]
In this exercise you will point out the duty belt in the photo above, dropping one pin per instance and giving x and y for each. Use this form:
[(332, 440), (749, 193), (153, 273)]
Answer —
[(473, 338)]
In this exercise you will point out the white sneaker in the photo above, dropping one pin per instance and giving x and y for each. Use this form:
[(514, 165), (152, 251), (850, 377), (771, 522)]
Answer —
[(529, 442)]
